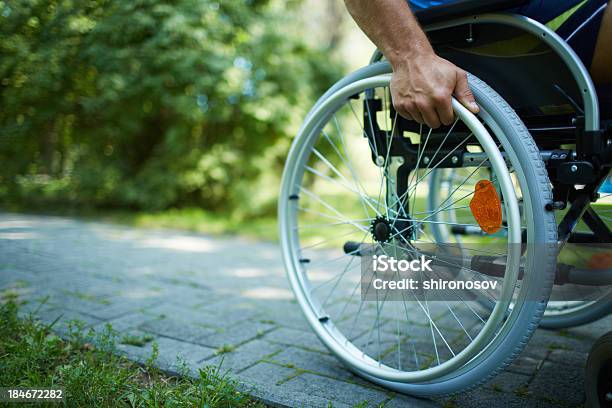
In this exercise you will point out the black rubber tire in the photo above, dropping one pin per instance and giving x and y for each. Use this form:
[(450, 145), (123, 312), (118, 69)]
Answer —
[(598, 373)]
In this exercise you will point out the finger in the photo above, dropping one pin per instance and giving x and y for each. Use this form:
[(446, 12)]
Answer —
[(404, 114), (401, 110), (445, 112), (409, 111), (431, 117), (464, 94), (413, 111), (417, 117)]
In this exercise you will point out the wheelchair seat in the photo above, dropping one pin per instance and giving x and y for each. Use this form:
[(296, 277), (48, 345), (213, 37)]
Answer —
[(427, 12)]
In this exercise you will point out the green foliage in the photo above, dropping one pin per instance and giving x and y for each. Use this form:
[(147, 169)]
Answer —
[(151, 105), (32, 356)]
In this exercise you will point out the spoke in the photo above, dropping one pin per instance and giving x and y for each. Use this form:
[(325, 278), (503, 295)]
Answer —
[(474, 272), (431, 322), (330, 207), (338, 279), (453, 192), (349, 300), (372, 145), (420, 152), (431, 160), (346, 160), (463, 248), (341, 275), (605, 195), (364, 199), (386, 167), (337, 276), (378, 309), (399, 344), (440, 162), (325, 225), (330, 261), (448, 209), (339, 220), (466, 179), (326, 240), (454, 290), (458, 320), (443, 140), (451, 223), (413, 187)]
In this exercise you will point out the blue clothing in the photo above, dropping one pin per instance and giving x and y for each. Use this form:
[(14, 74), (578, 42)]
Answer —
[(579, 30)]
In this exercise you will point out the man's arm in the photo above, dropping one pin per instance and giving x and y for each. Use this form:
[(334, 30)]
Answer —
[(422, 82)]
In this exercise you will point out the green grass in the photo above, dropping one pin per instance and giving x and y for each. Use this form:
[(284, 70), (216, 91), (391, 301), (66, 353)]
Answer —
[(137, 341), (32, 356), (226, 348)]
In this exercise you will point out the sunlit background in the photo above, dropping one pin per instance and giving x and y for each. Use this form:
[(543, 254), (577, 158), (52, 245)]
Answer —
[(162, 113)]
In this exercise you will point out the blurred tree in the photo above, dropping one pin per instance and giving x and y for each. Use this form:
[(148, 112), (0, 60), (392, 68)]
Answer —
[(149, 104)]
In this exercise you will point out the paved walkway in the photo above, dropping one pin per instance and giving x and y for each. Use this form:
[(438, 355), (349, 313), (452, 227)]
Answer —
[(196, 296)]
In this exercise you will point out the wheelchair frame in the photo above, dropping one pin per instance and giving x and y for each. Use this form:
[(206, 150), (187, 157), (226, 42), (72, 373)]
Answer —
[(547, 36), (590, 163)]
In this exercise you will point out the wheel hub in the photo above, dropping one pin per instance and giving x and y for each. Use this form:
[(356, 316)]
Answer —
[(381, 229)]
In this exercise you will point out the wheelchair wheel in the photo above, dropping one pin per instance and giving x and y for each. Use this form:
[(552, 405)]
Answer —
[(596, 300), (598, 374), (564, 314), (341, 196), (559, 314)]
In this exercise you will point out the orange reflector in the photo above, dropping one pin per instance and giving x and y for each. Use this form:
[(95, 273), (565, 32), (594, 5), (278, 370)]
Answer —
[(486, 207), (600, 261)]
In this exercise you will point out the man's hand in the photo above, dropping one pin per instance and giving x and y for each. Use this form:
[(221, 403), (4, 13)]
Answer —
[(422, 82), (421, 89)]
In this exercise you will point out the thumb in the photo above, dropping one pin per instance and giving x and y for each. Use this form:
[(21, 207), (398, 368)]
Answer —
[(464, 94)]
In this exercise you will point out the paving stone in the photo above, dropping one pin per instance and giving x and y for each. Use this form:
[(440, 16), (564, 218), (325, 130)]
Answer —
[(189, 297), (402, 401), (524, 365), (489, 399), (298, 338), (265, 381), (214, 291), (231, 310), (203, 316), (569, 358), (176, 329), (508, 382), (343, 392), (119, 308), (559, 341), (235, 335), (126, 322), (174, 356), (244, 356), (262, 382), (559, 383), (63, 320), (315, 362), (286, 314)]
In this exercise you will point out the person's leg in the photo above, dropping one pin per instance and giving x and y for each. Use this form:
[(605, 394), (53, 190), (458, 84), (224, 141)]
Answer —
[(601, 67)]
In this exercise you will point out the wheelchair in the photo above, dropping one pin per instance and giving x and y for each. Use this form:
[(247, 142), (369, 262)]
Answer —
[(359, 180)]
